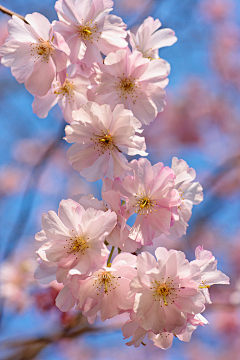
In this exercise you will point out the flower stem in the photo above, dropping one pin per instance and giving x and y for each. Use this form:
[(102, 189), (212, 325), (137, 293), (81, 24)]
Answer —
[(110, 256), (11, 13)]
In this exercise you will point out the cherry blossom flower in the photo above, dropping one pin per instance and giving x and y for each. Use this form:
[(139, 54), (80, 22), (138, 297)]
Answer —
[(137, 83), (101, 135), (69, 94), (107, 288), (190, 193), (88, 29), (149, 39), (151, 195), (163, 340), (74, 238), (34, 52), (166, 291), (209, 273)]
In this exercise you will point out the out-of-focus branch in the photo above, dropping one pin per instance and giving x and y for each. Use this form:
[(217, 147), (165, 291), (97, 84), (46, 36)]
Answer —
[(26, 206), (29, 349), (11, 13), (210, 206), (221, 171)]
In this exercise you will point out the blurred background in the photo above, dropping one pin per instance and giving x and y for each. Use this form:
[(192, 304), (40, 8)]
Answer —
[(200, 124)]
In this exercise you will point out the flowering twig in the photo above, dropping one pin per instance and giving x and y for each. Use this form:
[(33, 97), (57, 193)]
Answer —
[(11, 13)]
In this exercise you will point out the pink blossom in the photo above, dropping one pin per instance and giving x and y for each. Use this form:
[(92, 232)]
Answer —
[(34, 52), (209, 273), (137, 83), (70, 94), (101, 136), (166, 291), (149, 39), (106, 289), (151, 195), (163, 340), (74, 238), (88, 29), (190, 194)]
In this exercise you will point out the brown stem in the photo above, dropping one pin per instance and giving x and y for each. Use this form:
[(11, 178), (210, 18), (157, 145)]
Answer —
[(11, 13)]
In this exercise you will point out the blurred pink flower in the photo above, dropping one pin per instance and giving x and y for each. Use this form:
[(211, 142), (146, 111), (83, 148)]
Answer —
[(29, 150), (216, 10), (16, 279), (12, 179)]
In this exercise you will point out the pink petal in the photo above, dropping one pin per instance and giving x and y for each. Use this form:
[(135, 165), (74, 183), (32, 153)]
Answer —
[(42, 77), (40, 24), (65, 300)]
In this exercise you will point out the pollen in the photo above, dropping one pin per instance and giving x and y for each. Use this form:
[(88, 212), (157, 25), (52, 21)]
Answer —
[(165, 292), (106, 281), (106, 140), (87, 31), (65, 91), (128, 87), (42, 49), (77, 245), (145, 203)]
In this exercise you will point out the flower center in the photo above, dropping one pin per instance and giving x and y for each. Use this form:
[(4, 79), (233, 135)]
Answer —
[(104, 142), (164, 292), (145, 203), (126, 85), (107, 281), (65, 90), (87, 31), (77, 245), (43, 48)]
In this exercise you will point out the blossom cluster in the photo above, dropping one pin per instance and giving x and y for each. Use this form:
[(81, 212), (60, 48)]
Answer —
[(108, 83)]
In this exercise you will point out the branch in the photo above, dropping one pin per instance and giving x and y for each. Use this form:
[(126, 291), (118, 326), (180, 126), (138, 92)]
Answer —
[(11, 13), (31, 348)]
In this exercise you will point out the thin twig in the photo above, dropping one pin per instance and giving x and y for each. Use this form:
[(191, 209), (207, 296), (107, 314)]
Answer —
[(11, 13)]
